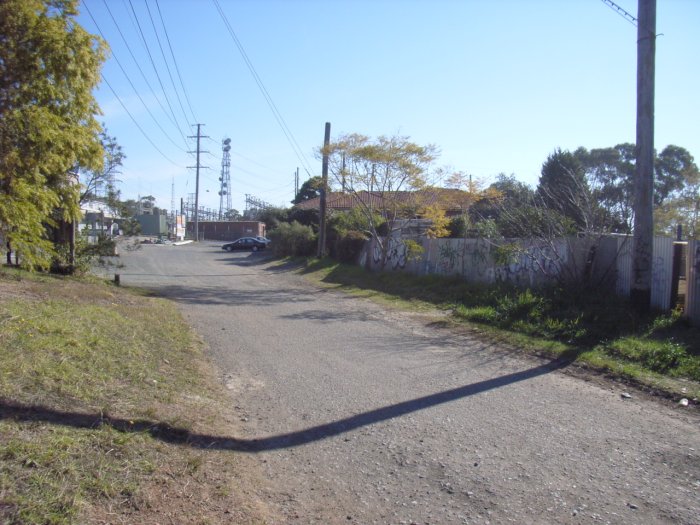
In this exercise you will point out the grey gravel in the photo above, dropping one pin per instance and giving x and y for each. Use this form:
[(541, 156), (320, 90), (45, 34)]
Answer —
[(360, 414)]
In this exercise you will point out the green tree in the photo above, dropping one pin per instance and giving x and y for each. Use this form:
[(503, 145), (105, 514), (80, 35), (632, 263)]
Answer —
[(100, 182), (339, 224), (501, 202), (610, 175), (377, 173), (673, 169), (304, 217), (49, 66), (309, 190), (272, 217), (233, 215), (563, 188), (681, 207)]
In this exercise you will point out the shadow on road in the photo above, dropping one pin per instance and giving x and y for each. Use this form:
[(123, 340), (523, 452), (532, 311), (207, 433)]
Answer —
[(181, 436), (221, 295), (251, 259)]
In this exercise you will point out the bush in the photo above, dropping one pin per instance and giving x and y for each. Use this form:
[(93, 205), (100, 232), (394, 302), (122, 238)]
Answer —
[(352, 220), (86, 254), (292, 240), (305, 217), (458, 227), (349, 246)]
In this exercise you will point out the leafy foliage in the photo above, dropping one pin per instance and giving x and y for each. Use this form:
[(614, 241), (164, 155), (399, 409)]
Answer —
[(100, 182), (292, 239), (414, 250), (681, 207), (309, 190), (305, 217), (673, 167), (86, 254), (610, 175), (273, 217), (353, 220), (233, 215), (49, 66), (376, 172), (440, 223), (564, 189), (505, 194), (349, 246)]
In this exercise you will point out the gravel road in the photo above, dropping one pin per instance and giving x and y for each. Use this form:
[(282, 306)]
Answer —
[(359, 415)]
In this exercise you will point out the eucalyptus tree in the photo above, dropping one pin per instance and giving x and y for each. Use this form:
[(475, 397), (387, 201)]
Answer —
[(309, 190)]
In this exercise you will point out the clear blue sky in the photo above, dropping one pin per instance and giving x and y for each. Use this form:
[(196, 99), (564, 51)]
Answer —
[(496, 85)]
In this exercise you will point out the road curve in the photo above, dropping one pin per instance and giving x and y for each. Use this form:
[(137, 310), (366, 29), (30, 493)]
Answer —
[(359, 415)]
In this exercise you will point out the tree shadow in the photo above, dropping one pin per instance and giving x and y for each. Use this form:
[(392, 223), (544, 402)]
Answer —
[(250, 259), (326, 316), (223, 296), (180, 436)]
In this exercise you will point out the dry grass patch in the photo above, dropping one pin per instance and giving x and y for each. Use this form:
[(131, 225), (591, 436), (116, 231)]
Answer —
[(90, 375)]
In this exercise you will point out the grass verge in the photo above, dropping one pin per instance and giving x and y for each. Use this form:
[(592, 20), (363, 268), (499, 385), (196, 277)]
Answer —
[(655, 350), (94, 381)]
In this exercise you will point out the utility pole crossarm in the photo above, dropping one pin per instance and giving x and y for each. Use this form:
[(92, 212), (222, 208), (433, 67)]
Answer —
[(624, 14)]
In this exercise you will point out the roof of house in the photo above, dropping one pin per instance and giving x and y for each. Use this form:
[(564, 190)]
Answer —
[(454, 200), (95, 206)]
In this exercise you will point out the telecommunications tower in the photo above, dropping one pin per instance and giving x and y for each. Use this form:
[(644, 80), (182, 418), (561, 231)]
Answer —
[(225, 191)]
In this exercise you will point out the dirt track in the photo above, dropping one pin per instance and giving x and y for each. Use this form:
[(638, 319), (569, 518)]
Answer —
[(359, 415)]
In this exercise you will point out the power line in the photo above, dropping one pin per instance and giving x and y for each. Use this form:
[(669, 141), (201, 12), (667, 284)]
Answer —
[(155, 69), (133, 57), (137, 124), (165, 60), (116, 59), (276, 113), (187, 98), (624, 14)]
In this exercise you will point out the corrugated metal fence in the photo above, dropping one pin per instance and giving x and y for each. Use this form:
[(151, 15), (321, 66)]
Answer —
[(692, 298), (476, 261), (661, 270)]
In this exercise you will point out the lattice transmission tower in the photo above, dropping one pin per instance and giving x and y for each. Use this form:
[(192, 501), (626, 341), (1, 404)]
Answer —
[(225, 191)]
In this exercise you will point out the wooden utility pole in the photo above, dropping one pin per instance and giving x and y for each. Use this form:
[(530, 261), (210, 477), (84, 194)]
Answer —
[(324, 188), (644, 169), (296, 183)]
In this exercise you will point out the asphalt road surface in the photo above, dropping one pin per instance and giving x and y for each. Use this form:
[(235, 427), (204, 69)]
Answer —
[(359, 415)]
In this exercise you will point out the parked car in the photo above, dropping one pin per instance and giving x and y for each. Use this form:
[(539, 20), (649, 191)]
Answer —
[(244, 243)]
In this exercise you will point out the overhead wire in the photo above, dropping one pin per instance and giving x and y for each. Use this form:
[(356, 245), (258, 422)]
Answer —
[(249, 160), (182, 84), (266, 95), (133, 57), (165, 60), (137, 124), (155, 69), (620, 11), (116, 59)]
